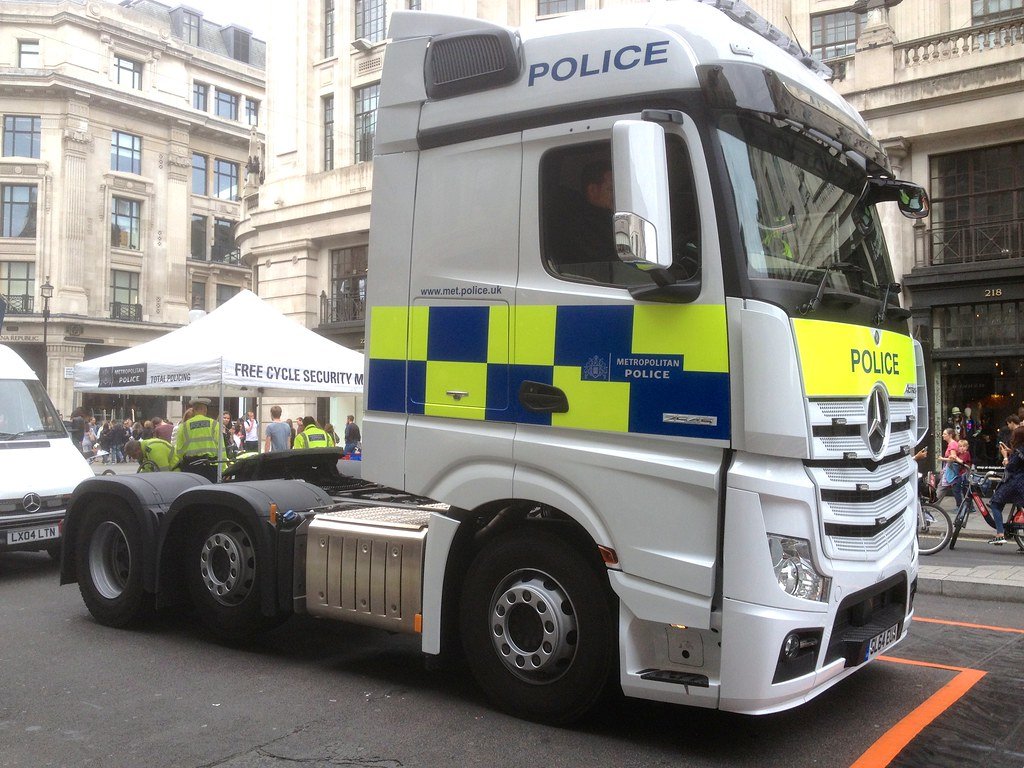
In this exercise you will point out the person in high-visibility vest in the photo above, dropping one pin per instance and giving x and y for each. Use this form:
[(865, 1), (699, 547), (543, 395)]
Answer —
[(197, 435), (312, 436), (159, 452)]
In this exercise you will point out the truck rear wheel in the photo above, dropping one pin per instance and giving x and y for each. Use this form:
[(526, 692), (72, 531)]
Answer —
[(109, 561), (538, 627), (221, 564)]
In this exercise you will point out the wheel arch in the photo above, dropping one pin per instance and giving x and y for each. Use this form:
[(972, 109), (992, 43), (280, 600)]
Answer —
[(494, 519), (147, 496), (252, 501)]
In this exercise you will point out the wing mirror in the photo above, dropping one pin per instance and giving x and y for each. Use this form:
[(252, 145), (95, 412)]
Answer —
[(642, 223)]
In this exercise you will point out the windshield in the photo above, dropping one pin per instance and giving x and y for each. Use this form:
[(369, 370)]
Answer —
[(800, 208), (26, 412)]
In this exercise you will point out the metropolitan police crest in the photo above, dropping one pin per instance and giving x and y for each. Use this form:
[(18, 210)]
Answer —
[(595, 369)]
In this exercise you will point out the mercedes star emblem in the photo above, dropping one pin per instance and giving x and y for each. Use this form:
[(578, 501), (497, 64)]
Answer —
[(32, 502), (878, 420)]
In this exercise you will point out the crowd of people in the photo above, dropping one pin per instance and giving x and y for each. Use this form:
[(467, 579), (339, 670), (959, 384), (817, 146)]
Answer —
[(119, 441), (968, 441)]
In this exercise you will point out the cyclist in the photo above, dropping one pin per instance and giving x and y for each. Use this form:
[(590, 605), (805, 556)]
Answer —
[(1011, 490), (157, 453)]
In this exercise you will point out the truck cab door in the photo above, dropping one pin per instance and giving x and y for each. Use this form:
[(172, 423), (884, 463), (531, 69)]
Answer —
[(634, 448), (462, 282)]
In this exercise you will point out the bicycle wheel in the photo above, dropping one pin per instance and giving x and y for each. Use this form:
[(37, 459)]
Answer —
[(959, 522), (934, 529)]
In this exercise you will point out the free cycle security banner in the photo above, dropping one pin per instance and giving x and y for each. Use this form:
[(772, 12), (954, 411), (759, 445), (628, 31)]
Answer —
[(243, 348)]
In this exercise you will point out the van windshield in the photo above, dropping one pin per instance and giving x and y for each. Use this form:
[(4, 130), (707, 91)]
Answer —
[(26, 412), (801, 208)]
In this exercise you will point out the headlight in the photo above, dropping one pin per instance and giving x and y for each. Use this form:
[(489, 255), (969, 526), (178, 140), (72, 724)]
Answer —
[(791, 559)]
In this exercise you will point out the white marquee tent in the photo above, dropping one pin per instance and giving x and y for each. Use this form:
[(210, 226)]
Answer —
[(244, 348)]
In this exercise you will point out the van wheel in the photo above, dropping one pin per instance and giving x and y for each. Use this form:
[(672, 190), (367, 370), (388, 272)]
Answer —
[(109, 562), (538, 626), (222, 572)]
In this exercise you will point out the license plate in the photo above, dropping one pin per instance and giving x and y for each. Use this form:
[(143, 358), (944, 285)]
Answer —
[(33, 534), (881, 641)]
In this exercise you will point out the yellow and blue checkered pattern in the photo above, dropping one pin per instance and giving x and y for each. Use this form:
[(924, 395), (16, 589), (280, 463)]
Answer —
[(649, 368)]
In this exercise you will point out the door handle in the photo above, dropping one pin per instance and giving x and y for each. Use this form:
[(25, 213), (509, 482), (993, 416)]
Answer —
[(537, 397), (456, 394)]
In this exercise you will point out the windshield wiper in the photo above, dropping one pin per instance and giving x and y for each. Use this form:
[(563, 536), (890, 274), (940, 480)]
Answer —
[(814, 303), (27, 432), (884, 309)]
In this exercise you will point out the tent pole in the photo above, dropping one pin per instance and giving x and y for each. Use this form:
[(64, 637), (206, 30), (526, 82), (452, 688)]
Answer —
[(220, 426)]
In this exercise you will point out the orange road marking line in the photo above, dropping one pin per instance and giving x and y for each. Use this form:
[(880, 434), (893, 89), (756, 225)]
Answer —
[(883, 751), (970, 626)]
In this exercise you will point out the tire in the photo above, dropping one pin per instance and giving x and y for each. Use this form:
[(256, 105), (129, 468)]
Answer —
[(934, 529), (958, 523), (538, 623), (109, 561), (222, 570)]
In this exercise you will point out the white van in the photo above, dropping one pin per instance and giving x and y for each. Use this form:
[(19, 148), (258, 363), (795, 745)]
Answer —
[(39, 464)]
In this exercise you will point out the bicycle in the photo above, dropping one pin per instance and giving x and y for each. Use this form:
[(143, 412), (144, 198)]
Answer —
[(973, 500), (934, 529)]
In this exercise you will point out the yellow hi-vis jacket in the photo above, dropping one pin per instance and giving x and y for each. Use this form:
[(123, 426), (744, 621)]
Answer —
[(313, 437), (159, 451), (196, 437)]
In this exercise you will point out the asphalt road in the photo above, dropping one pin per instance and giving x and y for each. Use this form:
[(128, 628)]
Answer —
[(74, 693)]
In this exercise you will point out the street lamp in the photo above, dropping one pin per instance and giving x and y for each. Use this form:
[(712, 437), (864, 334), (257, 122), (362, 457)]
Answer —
[(46, 291)]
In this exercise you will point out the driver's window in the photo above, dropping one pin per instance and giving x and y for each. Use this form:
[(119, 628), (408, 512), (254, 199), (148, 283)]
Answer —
[(576, 205)]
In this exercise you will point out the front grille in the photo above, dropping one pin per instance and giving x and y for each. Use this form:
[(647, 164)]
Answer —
[(47, 505), (863, 497)]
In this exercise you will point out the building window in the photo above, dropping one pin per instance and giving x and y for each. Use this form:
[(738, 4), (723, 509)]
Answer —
[(240, 49), (328, 132), (986, 11), (226, 292), (199, 237), (125, 223), (252, 111), (370, 18), (22, 136), (328, 28), (124, 295), (347, 300), (28, 54), (17, 284), (125, 152), (225, 179), (199, 94), (191, 24), (226, 105), (224, 242), (199, 174), (835, 34), (550, 7), (978, 205), (415, 5), (18, 206), (365, 121), (128, 72), (969, 326), (199, 295)]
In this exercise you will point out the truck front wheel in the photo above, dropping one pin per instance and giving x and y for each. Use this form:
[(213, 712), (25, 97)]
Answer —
[(538, 626), (108, 559), (222, 563)]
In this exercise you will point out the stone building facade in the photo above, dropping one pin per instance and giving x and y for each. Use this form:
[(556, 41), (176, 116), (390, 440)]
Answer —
[(939, 82), (126, 133)]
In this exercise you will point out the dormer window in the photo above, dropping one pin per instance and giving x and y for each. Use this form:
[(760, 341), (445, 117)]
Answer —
[(191, 24)]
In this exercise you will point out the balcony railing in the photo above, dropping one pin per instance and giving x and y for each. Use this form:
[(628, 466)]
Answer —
[(122, 311), (230, 257), (969, 243), (343, 308), (19, 304), (961, 43)]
